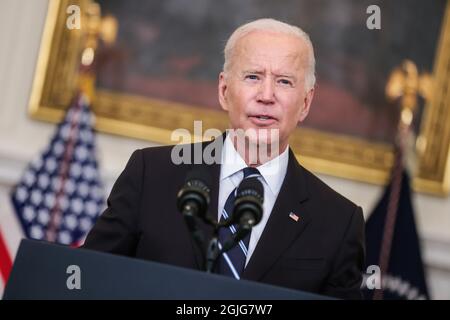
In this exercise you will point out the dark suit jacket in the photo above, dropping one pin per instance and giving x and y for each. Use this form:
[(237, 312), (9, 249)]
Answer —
[(323, 252)]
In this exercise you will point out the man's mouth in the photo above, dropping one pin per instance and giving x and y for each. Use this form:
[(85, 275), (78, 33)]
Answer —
[(262, 119), (262, 116)]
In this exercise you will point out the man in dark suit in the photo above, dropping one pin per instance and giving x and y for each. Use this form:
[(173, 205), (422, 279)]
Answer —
[(310, 237)]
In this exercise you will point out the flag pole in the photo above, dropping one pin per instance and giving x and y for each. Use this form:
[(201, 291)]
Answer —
[(405, 84), (96, 28)]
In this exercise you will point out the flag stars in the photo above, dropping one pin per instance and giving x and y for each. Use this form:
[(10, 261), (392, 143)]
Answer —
[(63, 203), (96, 193), (64, 237), (29, 213), (43, 216), (85, 224), (70, 221), (21, 194), (65, 131), (36, 197), (89, 173), (36, 163), (81, 153), (77, 205), (83, 189), (43, 180), (69, 186), (50, 164), (29, 178), (56, 184), (75, 170), (49, 199), (86, 135), (91, 208), (58, 148), (36, 232)]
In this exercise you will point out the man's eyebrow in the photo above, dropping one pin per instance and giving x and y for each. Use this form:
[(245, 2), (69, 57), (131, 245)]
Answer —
[(285, 75), (256, 71), (253, 71)]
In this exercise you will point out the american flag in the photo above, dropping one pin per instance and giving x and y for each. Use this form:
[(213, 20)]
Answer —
[(293, 216), (60, 193)]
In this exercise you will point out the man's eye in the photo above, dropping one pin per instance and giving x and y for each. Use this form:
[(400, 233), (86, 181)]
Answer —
[(285, 82), (252, 77)]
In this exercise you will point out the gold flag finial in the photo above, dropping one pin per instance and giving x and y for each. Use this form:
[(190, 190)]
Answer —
[(96, 28), (406, 85)]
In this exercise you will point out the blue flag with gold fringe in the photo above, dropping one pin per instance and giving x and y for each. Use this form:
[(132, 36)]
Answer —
[(403, 276)]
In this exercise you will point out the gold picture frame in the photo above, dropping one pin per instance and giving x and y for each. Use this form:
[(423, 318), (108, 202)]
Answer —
[(153, 119)]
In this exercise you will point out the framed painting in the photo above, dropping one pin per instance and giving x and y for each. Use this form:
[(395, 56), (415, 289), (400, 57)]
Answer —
[(161, 74)]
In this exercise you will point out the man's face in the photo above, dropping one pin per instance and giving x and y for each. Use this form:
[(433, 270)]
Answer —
[(265, 86)]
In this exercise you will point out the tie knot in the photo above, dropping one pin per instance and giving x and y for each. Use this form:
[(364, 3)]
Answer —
[(251, 172)]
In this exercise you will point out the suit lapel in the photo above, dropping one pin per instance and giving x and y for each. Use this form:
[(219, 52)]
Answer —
[(281, 230)]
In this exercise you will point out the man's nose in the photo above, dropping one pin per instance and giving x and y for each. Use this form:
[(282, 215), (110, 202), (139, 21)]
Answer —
[(267, 91)]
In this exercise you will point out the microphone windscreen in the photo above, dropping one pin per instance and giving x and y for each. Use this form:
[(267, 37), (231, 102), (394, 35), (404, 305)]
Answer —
[(194, 194), (199, 173), (251, 187)]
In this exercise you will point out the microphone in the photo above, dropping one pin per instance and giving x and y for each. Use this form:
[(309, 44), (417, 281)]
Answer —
[(247, 211), (193, 198)]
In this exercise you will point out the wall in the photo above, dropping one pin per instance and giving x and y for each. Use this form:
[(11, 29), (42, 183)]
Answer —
[(21, 24)]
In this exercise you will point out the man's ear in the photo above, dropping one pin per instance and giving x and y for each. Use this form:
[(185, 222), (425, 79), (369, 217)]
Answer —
[(223, 91), (306, 105)]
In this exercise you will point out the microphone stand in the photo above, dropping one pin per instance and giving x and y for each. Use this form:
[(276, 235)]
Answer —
[(196, 234), (214, 251)]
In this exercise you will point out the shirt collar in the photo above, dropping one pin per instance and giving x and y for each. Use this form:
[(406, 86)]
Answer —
[(273, 171)]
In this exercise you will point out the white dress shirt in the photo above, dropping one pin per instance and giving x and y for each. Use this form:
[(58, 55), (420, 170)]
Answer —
[(272, 177)]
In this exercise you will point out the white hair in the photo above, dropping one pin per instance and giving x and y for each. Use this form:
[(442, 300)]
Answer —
[(276, 26)]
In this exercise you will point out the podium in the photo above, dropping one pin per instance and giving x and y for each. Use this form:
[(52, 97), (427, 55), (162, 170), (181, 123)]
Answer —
[(48, 271)]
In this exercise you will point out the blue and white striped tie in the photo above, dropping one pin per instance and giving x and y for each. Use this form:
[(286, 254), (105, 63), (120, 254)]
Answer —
[(232, 262)]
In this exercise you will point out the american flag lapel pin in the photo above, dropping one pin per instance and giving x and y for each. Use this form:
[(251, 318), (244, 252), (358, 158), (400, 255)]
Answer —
[(294, 217)]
